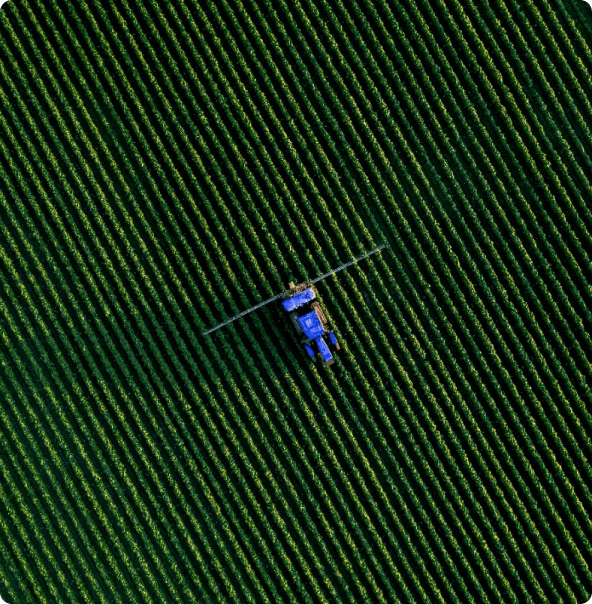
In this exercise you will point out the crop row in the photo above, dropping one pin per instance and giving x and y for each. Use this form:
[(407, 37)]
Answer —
[(181, 161)]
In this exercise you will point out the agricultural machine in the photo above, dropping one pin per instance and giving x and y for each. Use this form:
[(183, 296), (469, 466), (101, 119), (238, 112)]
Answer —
[(309, 321), (302, 306)]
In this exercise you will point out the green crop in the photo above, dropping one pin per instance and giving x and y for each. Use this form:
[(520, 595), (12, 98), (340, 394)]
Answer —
[(167, 165)]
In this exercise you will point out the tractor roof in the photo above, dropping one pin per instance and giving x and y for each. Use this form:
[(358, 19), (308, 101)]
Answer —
[(311, 325), (298, 300)]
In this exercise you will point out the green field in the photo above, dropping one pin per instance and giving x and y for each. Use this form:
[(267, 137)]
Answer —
[(166, 165)]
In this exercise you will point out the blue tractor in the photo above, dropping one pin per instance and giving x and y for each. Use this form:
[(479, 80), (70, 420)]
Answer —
[(310, 322), (306, 315)]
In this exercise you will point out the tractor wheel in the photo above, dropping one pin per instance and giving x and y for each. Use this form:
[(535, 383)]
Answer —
[(310, 352)]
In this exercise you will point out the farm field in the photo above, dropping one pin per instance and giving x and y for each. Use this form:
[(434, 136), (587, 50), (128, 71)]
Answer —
[(165, 166)]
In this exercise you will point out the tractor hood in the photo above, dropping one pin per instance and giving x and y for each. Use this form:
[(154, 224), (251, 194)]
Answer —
[(294, 302), (323, 349)]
